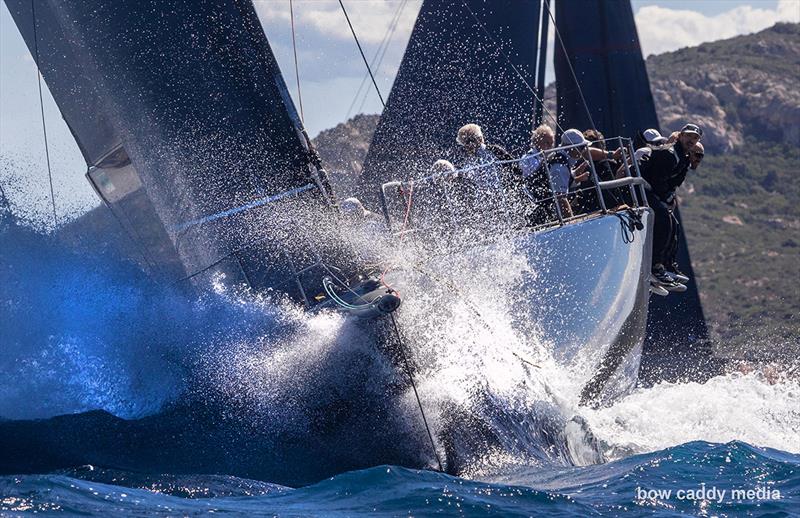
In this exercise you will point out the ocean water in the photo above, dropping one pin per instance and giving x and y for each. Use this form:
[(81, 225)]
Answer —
[(707, 473), (296, 414)]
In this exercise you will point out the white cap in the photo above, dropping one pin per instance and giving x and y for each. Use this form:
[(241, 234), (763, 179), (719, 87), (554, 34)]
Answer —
[(653, 136), (572, 137), (641, 153)]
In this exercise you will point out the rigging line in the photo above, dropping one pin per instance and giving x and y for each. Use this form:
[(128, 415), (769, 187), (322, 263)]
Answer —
[(41, 107), (383, 52), (387, 36), (374, 83), (296, 69), (569, 63), (414, 386), (511, 64)]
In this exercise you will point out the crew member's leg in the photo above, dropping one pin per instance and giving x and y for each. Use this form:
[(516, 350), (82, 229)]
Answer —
[(662, 229), (671, 258), (672, 248)]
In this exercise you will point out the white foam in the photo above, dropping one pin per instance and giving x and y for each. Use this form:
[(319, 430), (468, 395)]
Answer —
[(750, 408)]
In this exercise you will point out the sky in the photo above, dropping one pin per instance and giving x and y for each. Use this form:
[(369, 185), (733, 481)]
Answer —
[(330, 69)]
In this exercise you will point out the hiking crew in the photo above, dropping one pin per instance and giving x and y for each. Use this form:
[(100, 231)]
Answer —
[(545, 184), (665, 171), (671, 263)]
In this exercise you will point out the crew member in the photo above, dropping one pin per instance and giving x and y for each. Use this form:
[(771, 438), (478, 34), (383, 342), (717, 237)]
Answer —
[(568, 168), (671, 264), (665, 171), (494, 184)]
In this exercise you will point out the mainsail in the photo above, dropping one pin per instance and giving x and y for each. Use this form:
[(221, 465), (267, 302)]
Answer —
[(601, 50), (185, 122), (466, 61)]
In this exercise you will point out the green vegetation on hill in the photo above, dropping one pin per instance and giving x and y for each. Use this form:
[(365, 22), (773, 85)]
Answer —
[(741, 212), (741, 209)]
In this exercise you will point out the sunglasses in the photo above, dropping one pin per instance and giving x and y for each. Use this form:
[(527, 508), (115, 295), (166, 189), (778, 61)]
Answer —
[(698, 155)]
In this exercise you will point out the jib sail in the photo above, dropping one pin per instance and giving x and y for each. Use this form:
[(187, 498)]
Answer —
[(465, 62)]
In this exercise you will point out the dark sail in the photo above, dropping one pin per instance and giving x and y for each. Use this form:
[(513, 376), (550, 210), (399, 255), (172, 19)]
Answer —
[(454, 72), (602, 46), (184, 119)]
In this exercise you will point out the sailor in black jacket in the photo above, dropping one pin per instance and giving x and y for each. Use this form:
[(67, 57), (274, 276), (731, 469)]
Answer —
[(665, 171)]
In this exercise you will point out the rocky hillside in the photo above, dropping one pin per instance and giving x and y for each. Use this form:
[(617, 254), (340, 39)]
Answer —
[(737, 89), (344, 147), (741, 209)]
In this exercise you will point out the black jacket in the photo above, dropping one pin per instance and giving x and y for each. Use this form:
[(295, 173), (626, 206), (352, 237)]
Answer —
[(666, 170)]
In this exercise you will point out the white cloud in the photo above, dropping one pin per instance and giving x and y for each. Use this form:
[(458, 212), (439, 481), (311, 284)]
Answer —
[(370, 18), (662, 29)]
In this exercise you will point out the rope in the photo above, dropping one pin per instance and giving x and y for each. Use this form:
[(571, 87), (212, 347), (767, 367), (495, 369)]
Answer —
[(569, 63), (383, 53), (41, 107), (327, 285), (513, 67), (628, 221), (296, 69), (414, 386), (366, 63), (377, 58)]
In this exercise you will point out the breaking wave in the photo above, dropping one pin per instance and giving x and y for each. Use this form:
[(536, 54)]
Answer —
[(308, 394)]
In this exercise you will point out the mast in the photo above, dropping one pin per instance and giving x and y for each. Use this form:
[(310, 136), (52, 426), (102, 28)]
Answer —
[(542, 64)]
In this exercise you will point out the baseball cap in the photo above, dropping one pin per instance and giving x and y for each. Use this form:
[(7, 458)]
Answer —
[(692, 128), (653, 136), (572, 137), (642, 153)]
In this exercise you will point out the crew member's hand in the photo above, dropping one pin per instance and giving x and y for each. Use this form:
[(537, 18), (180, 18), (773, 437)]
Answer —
[(582, 177), (617, 153), (581, 173), (673, 203)]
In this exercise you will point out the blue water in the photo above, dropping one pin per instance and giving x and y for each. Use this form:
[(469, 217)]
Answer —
[(235, 384), (607, 490)]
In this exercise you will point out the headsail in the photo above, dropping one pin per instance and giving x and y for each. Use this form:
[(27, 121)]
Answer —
[(602, 47), (184, 119), (455, 71)]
